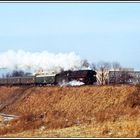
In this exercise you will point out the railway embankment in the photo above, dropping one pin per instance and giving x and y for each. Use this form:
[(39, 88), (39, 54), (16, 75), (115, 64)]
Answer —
[(64, 107)]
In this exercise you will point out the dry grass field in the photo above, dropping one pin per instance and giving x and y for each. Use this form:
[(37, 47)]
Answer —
[(86, 111)]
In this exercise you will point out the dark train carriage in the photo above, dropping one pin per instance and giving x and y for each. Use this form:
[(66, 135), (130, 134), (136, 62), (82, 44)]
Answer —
[(45, 80), (13, 81), (86, 76), (28, 80), (62, 77), (3, 81)]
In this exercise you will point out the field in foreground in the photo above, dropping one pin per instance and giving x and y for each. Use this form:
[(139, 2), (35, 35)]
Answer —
[(86, 111)]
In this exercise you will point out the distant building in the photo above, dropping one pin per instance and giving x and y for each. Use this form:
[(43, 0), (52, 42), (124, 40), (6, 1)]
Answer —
[(124, 76)]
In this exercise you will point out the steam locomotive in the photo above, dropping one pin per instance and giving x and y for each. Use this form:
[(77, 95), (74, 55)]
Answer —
[(88, 77)]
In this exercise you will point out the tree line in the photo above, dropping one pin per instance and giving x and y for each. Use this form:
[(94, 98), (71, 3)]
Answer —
[(16, 73)]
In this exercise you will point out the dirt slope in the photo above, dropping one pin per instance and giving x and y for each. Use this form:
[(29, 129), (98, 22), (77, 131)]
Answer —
[(60, 107)]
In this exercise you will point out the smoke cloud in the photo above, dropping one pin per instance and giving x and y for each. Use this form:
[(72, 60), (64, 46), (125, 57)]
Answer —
[(33, 61), (71, 83)]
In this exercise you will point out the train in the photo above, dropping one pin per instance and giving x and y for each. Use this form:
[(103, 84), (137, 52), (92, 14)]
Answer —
[(88, 77)]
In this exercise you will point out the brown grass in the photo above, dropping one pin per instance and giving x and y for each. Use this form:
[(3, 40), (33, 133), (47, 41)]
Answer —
[(123, 128), (68, 107)]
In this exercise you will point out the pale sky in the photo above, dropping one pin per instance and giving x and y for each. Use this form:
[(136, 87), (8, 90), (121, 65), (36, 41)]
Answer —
[(95, 31)]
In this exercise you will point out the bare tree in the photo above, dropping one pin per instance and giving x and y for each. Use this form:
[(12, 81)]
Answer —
[(8, 75), (85, 63), (103, 70), (116, 66), (17, 73), (93, 66)]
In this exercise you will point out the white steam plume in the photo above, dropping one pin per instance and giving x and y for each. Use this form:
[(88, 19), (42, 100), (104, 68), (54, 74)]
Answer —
[(32, 61), (71, 83)]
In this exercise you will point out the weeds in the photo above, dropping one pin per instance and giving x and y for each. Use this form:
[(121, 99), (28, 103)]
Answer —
[(50, 108)]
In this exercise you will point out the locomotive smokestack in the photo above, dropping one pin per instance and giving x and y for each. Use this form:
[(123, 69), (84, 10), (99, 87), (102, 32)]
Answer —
[(33, 61)]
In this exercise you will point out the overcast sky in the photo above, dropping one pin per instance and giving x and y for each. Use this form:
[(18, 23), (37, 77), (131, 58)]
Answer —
[(94, 31)]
